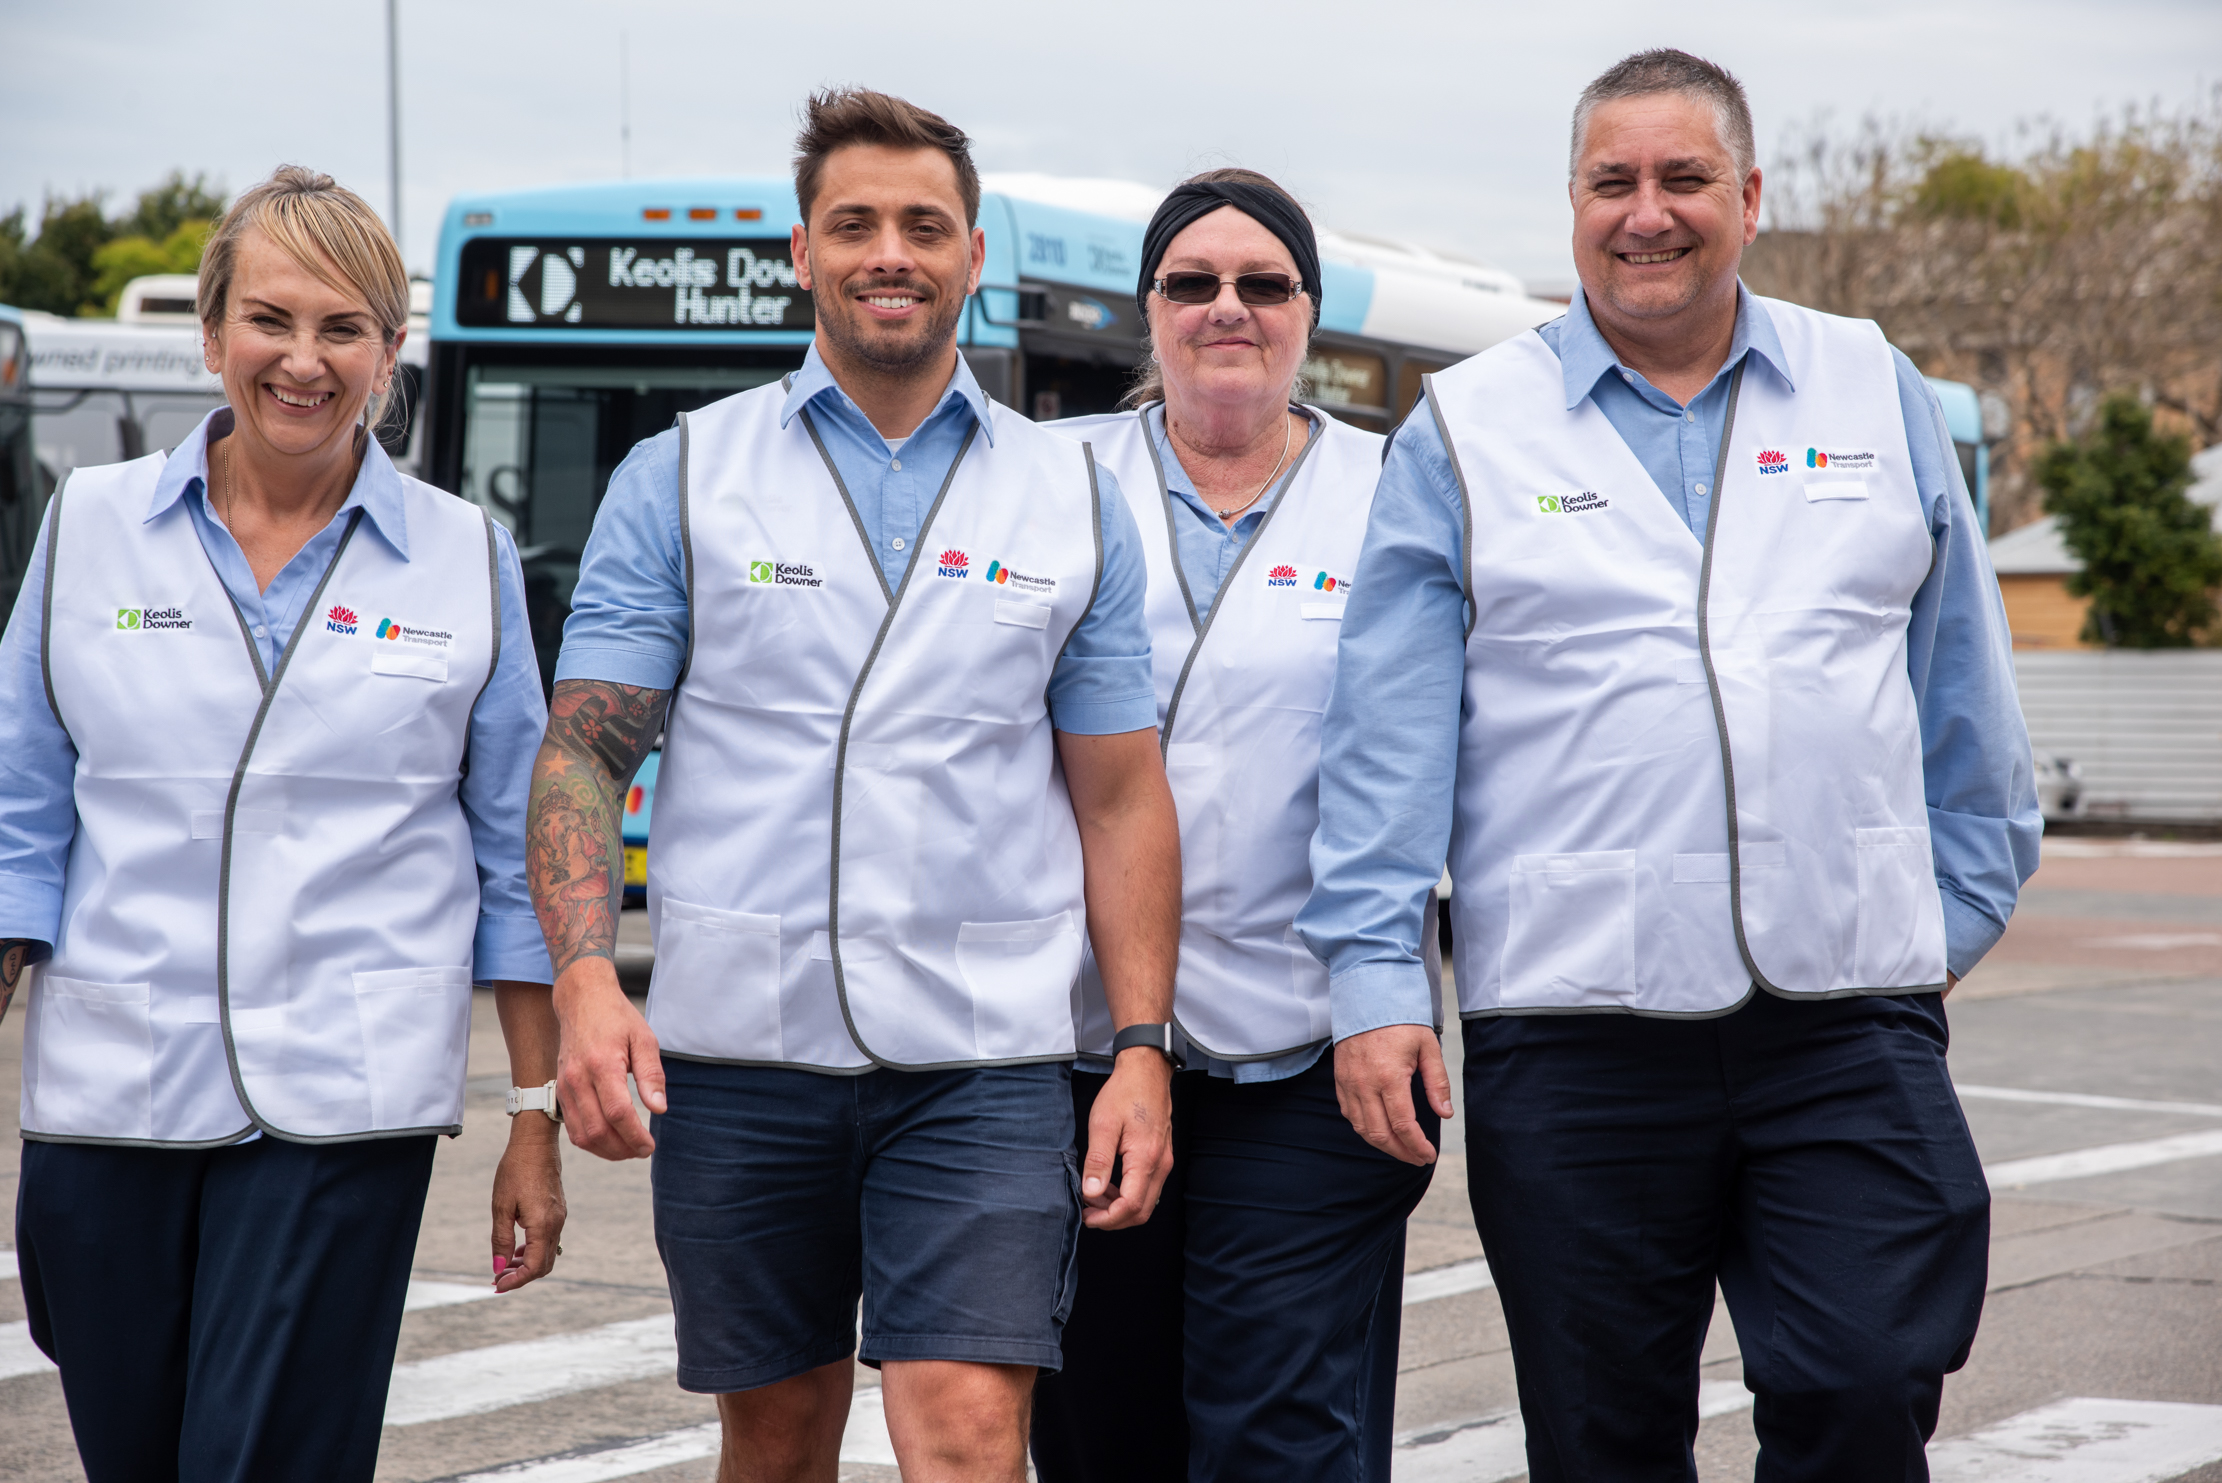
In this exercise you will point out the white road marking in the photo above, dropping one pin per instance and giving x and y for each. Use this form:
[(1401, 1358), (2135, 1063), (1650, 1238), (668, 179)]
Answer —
[(8, 1271), (472, 1381), (2083, 1440), (1444, 1282), (423, 1295), (2111, 1158), (2157, 942), (865, 1441), (1496, 1447), (2081, 1099), (18, 1355)]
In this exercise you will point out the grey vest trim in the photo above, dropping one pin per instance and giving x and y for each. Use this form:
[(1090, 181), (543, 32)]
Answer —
[(231, 809), (46, 601), (1465, 499), (1172, 530), (841, 748), (686, 549), (871, 554), (493, 598)]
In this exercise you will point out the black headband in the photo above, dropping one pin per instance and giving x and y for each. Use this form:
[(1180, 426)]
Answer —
[(1198, 199)]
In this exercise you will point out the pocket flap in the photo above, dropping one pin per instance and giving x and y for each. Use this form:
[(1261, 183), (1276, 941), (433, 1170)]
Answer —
[(83, 988), (1039, 930), (391, 661), (1021, 614), (1821, 489), (428, 981), (1331, 611), (724, 921), (1574, 864)]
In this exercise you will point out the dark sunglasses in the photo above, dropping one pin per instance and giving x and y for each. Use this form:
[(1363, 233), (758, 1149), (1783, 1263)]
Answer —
[(1251, 288)]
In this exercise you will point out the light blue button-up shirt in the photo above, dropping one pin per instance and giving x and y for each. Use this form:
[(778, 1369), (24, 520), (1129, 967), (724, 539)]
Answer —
[(628, 623), (1390, 747), (38, 811)]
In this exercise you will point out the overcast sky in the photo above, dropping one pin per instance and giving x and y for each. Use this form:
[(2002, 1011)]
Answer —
[(1440, 122)]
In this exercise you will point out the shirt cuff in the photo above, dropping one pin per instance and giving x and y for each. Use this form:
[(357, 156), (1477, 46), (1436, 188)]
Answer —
[(1968, 933), (510, 947), (1104, 717), (1373, 995), (29, 908), (617, 667)]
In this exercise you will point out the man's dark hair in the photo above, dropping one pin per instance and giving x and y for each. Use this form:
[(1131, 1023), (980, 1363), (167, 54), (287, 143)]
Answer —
[(835, 118), (1669, 71)]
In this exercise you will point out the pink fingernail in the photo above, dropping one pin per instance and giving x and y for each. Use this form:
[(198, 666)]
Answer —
[(499, 1263)]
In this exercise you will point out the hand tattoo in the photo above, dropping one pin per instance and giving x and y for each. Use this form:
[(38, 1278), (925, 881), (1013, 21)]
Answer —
[(14, 954), (598, 735)]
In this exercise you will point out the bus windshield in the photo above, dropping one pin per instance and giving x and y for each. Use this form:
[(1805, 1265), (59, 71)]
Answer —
[(540, 441)]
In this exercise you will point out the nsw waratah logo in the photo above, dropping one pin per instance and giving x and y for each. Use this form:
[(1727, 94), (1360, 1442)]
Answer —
[(954, 564), (341, 620), (1281, 576), (1773, 461)]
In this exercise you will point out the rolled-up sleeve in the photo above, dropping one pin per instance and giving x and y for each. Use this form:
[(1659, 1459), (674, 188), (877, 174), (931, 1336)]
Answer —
[(1389, 744), (1984, 821), (505, 731), (1102, 684), (38, 772)]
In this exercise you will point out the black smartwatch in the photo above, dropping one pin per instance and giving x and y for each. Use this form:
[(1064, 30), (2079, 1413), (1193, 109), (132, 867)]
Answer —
[(1156, 1037)]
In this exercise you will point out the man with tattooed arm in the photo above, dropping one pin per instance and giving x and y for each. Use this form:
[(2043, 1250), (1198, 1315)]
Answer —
[(893, 636)]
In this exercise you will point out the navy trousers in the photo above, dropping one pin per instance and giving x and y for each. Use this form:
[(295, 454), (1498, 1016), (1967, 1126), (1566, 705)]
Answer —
[(223, 1315), (1285, 1249), (1810, 1156)]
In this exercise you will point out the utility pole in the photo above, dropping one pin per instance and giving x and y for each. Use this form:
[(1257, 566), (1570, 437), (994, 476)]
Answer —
[(393, 115)]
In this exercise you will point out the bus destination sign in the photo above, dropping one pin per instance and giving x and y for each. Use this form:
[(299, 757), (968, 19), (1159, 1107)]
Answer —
[(708, 283)]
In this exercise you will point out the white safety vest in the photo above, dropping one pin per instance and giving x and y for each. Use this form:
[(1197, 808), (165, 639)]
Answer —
[(270, 902), (1240, 693), (864, 851), (1688, 767)]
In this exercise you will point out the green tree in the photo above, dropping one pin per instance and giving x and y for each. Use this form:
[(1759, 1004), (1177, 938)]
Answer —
[(2151, 558), (61, 269)]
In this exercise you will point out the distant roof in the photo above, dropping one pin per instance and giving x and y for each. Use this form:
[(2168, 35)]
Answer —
[(2036, 549)]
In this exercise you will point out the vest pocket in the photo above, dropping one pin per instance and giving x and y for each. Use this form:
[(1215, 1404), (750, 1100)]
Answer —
[(1021, 976), (715, 989), (416, 1025), (1900, 938), (1571, 936), (93, 1057)]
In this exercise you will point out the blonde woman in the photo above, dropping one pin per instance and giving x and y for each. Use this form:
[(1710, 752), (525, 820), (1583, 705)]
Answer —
[(237, 696)]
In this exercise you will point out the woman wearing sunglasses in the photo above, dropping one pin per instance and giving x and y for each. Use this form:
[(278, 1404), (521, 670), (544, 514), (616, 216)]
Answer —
[(1249, 1331)]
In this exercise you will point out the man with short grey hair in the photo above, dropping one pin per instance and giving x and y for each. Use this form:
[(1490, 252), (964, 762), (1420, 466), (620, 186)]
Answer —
[(1674, 634)]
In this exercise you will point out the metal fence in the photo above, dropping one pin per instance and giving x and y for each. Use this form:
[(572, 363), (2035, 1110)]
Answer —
[(2144, 727)]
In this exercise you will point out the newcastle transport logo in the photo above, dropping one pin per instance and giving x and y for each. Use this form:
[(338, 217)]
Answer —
[(1281, 576), (341, 620), (1815, 458), (1773, 462), (1002, 576), (1329, 582), (954, 564)]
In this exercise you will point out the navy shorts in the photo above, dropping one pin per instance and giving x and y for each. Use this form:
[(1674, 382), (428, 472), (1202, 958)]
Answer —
[(949, 1201)]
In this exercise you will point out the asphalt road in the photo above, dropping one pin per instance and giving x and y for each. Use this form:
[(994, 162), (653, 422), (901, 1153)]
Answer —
[(2087, 1049)]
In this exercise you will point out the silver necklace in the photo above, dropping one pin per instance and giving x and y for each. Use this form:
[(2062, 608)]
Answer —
[(1288, 437)]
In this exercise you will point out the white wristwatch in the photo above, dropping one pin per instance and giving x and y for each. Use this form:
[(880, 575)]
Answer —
[(536, 1099)]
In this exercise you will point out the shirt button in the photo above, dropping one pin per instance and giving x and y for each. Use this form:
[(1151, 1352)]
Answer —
[(1689, 417), (896, 464), (898, 543), (258, 630), (1628, 376), (1700, 489)]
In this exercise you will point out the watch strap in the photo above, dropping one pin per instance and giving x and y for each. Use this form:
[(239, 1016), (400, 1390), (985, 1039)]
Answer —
[(536, 1099), (1160, 1037)]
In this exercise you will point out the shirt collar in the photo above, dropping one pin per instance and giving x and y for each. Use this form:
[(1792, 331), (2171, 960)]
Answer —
[(377, 492), (1585, 356), (815, 379)]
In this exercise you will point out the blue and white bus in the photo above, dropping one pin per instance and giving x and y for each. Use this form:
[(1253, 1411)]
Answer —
[(572, 322)]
